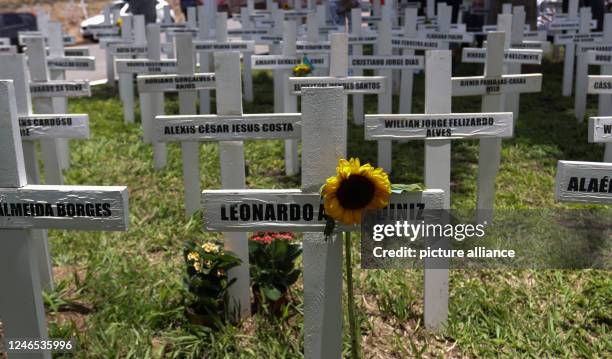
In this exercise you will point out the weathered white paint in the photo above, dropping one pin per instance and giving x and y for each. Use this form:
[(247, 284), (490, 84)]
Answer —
[(584, 182), (233, 176), (288, 210), (600, 129), (453, 126), (34, 127), (481, 85), (227, 128), (478, 55)]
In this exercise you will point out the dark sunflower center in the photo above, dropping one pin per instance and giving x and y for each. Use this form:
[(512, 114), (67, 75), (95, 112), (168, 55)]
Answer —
[(355, 192)]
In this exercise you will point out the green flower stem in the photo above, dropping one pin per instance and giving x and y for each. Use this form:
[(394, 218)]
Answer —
[(351, 297)]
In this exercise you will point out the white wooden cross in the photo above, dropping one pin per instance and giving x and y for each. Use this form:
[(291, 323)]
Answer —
[(284, 64), (600, 127), (385, 62), (151, 104), (338, 70), (584, 182), (570, 28), (323, 133), (444, 33), (34, 128), (519, 56), (24, 207), (43, 91), (124, 45), (58, 64), (134, 47), (229, 127), (205, 46), (599, 53), (493, 86), (437, 127), (186, 83)]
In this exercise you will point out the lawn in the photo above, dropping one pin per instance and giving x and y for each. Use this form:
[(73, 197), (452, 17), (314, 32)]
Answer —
[(121, 294)]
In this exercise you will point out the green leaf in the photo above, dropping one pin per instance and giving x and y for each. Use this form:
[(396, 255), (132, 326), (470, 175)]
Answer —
[(401, 188), (272, 293)]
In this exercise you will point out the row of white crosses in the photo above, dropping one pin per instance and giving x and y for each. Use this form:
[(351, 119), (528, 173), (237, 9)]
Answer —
[(600, 128), (25, 207), (324, 142), (577, 25), (589, 182), (134, 46), (599, 53), (151, 104)]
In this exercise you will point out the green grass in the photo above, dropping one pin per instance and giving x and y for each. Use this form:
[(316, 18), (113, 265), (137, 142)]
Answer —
[(131, 282)]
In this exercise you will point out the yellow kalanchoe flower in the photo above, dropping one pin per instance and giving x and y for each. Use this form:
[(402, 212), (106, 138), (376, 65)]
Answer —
[(353, 189), (193, 256), (210, 247)]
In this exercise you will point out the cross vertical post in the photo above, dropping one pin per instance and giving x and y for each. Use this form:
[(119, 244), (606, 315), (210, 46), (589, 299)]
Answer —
[(37, 64), (231, 156)]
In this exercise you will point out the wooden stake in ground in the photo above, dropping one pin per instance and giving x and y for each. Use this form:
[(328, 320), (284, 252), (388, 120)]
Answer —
[(25, 207), (601, 85)]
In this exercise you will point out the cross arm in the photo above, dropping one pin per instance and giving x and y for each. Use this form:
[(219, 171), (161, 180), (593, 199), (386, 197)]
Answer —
[(584, 182), (442, 126), (292, 209), (482, 85), (227, 128), (39, 126), (351, 85), (64, 207), (600, 84), (176, 83)]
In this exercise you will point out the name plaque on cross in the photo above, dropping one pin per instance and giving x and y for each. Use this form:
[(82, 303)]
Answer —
[(60, 89), (599, 58), (429, 126), (415, 44), (294, 210), (351, 85), (584, 182), (80, 63), (386, 62), (600, 129), (302, 46), (136, 66), (227, 128), (285, 62), (211, 45), (478, 85), (73, 126), (174, 82), (522, 56), (599, 84)]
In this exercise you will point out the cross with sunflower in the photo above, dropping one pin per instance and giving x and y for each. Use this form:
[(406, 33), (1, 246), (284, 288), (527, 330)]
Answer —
[(348, 188)]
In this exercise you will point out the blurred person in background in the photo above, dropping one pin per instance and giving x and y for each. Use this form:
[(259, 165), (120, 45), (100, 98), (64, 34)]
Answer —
[(144, 7), (189, 3)]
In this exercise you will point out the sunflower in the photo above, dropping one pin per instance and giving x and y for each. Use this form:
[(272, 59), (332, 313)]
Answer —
[(353, 189), (301, 70)]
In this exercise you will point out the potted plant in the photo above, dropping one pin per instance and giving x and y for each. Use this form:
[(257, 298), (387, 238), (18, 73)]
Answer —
[(207, 282), (272, 256)]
